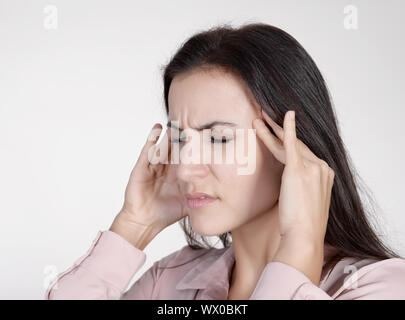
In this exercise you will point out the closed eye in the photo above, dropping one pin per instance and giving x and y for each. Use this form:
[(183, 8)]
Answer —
[(213, 140), (222, 140)]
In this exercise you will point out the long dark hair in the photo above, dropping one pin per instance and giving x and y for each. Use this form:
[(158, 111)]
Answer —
[(282, 76)]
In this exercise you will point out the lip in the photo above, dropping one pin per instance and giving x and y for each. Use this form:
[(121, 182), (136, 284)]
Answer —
[(196, 195), (194, 201)]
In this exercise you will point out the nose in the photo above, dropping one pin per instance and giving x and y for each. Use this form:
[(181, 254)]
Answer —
[(191, 164), (191, 172)]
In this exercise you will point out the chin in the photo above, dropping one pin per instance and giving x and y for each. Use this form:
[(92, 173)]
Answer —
[(205, 227)]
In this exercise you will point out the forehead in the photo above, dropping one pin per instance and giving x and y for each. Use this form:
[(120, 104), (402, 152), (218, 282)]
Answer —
[(210, 93)]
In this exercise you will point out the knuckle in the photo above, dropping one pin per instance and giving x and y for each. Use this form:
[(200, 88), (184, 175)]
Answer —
[(324, 166), (314, 169), (263, 131)]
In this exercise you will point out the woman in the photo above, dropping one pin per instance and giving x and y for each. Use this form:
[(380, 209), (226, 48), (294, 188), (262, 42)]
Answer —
[(297, 224)]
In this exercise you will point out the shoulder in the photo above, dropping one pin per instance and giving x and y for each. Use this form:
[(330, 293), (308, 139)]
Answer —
[(388, 272), (368, 279)]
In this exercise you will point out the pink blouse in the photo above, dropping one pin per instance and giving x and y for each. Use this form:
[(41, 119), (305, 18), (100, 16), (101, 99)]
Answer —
[(106, 269)]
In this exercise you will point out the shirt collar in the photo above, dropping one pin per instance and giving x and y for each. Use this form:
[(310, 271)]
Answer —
[(214, 270)]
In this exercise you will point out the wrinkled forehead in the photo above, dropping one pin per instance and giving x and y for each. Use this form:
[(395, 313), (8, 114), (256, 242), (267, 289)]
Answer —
[(201, 95)]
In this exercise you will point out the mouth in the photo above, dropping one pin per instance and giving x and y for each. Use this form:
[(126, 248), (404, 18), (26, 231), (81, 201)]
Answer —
[(199, 200)]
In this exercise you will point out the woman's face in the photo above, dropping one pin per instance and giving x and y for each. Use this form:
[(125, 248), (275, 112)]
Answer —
[(199, 97)]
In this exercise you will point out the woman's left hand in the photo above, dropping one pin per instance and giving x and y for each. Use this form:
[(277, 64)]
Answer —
[(304, 199)]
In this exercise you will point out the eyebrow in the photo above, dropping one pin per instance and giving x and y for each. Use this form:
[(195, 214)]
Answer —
[(205, 126)]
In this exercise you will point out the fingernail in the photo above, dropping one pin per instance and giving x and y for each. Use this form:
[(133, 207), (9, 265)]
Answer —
[(154, 133), (259, 122), (292, 115)]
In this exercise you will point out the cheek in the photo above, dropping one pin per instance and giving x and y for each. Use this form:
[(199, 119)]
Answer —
[(243, 197), (268, 183), (271, 171), (255, 193)]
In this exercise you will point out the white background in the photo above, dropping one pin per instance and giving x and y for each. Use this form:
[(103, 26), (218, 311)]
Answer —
[(77, 104)]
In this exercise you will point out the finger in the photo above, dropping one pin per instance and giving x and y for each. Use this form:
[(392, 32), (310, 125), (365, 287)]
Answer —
[(153, 137), (271, 142), (330, 188), (276, 128), (293, 156), (305, 151), (331, 179), (275, 145), (158, 154), (166, 149)]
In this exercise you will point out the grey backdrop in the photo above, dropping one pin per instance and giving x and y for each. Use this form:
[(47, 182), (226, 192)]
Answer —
[(78, 96)]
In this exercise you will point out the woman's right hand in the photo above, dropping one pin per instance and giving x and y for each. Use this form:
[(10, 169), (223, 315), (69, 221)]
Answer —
[(152, 197)]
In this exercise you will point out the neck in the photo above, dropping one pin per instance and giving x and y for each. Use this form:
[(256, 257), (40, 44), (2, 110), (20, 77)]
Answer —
[(255, 244)]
